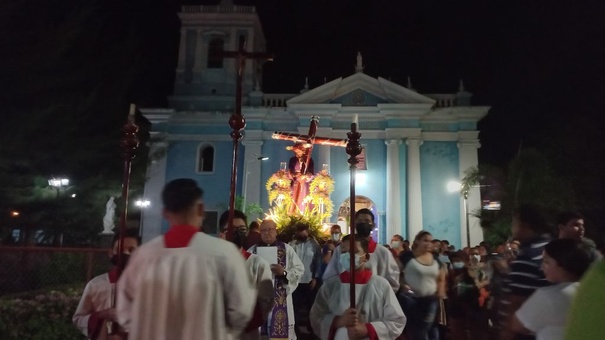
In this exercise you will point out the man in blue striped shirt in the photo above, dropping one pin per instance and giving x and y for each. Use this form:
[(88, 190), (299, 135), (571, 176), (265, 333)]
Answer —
[(525, 276)]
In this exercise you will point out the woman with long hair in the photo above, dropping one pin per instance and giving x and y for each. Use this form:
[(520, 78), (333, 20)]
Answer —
[(424, 278)]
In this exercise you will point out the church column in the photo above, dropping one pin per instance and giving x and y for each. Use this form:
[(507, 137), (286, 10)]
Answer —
[(199, 58), (467, 151), (252, 171), (182, 51), (151, 218), (393, 212), (414, 187)]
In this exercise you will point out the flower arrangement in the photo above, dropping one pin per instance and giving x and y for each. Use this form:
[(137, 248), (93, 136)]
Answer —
[(279, 187), (318, 202)]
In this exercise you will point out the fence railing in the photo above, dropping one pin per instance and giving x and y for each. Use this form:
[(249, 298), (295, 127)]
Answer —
[(25, 269)]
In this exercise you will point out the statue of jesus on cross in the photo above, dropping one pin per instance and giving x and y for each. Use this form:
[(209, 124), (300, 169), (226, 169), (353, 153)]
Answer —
[(301, 165)]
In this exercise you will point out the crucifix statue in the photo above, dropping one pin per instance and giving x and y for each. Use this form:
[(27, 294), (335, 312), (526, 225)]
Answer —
[(237, 121), (301, 165)]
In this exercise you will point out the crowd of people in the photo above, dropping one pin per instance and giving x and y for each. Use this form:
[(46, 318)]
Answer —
[(187, 284)]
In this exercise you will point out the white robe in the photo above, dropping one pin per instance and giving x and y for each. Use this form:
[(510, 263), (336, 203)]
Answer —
[(375, 301), (96, 297), (295, 269), (382, 263), (195, 292), (262, 278)]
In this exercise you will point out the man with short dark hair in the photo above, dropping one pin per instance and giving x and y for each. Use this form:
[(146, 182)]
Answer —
[(570, 224), (525, 276), (185, 284), (258, 269), (381, 260), (95, 311), (308, 251)]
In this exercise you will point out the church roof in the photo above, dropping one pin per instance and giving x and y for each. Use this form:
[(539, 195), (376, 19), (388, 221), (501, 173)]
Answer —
[(382, 88)]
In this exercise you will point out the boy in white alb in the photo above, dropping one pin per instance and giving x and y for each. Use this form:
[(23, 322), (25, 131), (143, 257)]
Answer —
[(377, 314), (95, 312)]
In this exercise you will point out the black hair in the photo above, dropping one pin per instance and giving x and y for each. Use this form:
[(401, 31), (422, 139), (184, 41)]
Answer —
[(129, 233), (533, 216), (446, 242), (436, 240), (301, 226), (180, 194), (571, 255), (254, 225), (365, 211), (224, 219), (362, 241), (399, 237), (567, 216)]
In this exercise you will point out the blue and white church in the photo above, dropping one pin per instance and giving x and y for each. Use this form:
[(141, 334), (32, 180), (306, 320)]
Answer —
[(414, 143)]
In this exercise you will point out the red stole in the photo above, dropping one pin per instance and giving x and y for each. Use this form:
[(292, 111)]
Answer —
[(372, 245), (179, 236), (361, 277)]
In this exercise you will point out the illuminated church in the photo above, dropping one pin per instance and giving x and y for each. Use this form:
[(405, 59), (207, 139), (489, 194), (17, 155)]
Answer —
[(414, 143)]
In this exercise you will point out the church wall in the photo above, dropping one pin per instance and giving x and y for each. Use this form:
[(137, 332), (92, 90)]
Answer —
[(276, 150), (440, 208), (183, 156)]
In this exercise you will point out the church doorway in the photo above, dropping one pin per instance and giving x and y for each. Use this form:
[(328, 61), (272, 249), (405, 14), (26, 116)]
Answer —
[(361, 202)]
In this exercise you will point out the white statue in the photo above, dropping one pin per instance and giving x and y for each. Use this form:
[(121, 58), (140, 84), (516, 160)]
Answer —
[(110, 211)]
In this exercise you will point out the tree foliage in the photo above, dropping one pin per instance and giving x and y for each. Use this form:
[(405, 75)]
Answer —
[(71, 70)]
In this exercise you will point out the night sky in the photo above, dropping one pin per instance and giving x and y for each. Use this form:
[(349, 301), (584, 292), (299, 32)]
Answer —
[(539, 64)]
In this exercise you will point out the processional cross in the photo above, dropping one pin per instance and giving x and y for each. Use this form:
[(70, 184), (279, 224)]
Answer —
[(308, 141), (237, 121)]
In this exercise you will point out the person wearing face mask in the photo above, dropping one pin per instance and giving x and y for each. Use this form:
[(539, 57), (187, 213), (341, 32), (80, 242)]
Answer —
[(329, 247), (376, 315), (258, 269), (94, 310), (382, 262), (308, 251)]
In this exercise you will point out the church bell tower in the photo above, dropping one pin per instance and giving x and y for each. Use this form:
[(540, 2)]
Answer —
[(204, 79)]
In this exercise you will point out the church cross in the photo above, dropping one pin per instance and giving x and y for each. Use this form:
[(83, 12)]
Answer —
[(237, 121)]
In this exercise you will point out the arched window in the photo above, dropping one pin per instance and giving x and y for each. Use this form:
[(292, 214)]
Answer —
[(205, 159), (215, 53)]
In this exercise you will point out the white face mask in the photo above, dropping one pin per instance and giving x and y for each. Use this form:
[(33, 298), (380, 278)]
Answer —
[(336, 237), (345, 261), (477, 257), (395, 244)]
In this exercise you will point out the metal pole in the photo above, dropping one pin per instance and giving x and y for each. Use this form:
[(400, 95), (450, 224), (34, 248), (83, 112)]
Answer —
[(468, 229), (353, 150)]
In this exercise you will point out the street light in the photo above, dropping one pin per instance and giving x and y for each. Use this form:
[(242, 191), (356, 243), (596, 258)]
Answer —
[(246, 172), (142, 203), (454, 186), (58, 183)]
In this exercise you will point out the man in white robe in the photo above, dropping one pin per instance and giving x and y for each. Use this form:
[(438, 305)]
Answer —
[(286, 273), (382, 262), (258, 269), (95, 311), (185, 284), (377, 314)]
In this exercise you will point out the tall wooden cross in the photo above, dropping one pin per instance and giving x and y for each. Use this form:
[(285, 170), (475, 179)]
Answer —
[(309, 140), (237, 121)]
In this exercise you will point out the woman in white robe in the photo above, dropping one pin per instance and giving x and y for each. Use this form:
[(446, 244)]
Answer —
[(377, 314)]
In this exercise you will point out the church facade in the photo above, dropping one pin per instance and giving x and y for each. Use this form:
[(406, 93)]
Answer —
[(414, 143)]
